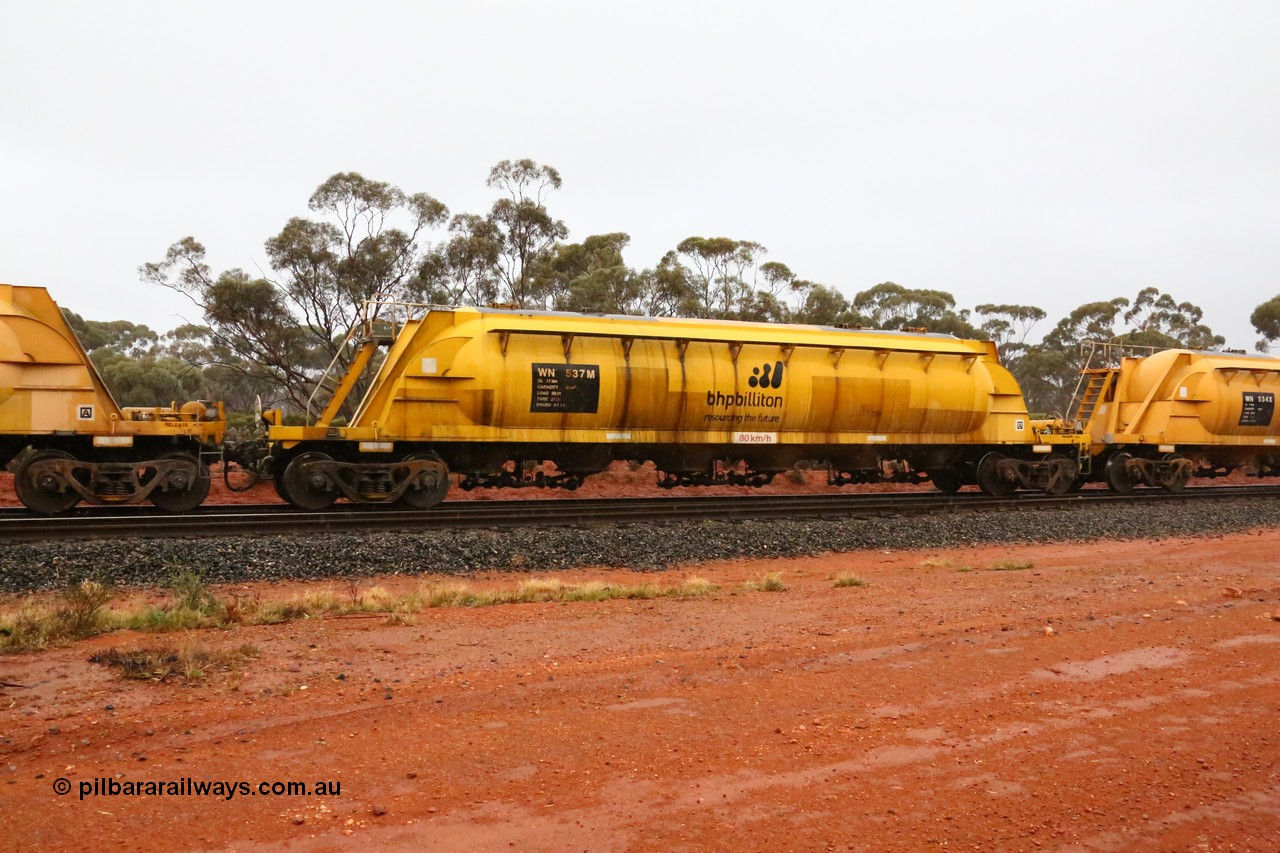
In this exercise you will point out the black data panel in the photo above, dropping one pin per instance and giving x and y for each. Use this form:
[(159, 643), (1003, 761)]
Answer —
[(1257, 409), (572, 388)]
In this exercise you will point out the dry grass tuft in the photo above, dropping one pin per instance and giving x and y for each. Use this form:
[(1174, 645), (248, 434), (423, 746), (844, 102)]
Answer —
[(188, 662), (193, 606), (767, 582), (1011, 565)]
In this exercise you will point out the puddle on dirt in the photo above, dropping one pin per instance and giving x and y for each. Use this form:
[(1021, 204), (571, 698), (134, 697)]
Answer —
[(1156, 657)]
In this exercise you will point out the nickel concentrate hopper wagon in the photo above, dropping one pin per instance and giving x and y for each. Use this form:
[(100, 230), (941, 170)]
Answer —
[(491, 394), (1162, 417)]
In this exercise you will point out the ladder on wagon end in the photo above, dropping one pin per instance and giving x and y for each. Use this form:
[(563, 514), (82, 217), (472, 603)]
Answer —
[(1096, 382), (1098, 375)]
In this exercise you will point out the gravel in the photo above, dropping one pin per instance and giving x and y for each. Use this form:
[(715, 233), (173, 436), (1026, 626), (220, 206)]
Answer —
[(152, 562)]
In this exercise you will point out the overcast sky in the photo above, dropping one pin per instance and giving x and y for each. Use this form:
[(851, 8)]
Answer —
[(1039, 153)]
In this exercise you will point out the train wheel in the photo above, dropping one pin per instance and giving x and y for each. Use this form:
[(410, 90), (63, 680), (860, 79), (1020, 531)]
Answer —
[(278, 483), (436, 475), (1117, 474), (40, 493), (1065, 475), (183, 500), (308, 489), (277, 478), (946, 480), (1178, 481), (990, 479)]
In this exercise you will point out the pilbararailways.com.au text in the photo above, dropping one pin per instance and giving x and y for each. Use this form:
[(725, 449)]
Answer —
[(189, 787)]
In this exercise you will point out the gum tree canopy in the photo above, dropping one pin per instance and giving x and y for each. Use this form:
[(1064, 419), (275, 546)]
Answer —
[(366, 243)]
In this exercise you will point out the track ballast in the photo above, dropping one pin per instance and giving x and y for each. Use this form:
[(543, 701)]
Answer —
[(274, 519)]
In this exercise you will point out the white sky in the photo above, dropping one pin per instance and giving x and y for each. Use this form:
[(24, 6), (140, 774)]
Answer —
[(1038, 153)]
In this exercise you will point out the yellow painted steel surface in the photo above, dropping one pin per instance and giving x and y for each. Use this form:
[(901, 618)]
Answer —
[(1182, 397), (49, 385), (492, 375)]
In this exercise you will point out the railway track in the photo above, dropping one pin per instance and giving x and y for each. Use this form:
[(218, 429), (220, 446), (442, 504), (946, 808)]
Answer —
[(242, 520)]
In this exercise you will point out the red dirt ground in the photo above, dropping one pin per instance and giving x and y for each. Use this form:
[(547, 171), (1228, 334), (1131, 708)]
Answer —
[(1071, 697)]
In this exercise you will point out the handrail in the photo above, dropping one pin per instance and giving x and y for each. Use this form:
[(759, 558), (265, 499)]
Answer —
[(363, 329)]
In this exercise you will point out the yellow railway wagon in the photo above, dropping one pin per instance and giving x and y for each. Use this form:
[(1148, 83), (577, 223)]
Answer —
[(1165, 417), (65, 439), (486, 392)]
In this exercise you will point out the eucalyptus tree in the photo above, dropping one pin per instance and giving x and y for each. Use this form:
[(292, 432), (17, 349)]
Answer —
[(135, 367), (527, 231), (1266, 321), (1157, 319), (1008, 326), (495, 258), (891, 306), (712, 277), (1050, 371), (592, 277), (366, 245), (825, 306), (462, 270)]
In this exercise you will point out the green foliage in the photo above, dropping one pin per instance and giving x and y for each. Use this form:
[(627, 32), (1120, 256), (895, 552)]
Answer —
[(496, 257), (82, 606), (713, 276), (825, 306), (527, 230), (892, 306), (1266, 320), (1008, 327), (282, 333), (591, 276), (1157, 319), (120, 336), (149, 381), (192, 594), (464, 269), (79, 613), (142, 368)]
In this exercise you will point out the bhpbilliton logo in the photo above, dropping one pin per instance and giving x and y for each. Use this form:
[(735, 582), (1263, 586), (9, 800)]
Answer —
[(766, 376)]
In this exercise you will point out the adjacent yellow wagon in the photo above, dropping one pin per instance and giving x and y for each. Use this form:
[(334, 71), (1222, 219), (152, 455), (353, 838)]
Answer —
[(64, 437)]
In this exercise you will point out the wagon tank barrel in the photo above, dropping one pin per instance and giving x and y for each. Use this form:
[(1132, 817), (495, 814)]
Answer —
[(504, 397)]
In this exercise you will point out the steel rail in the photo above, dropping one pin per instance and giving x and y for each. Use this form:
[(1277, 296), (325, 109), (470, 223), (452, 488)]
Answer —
[(242, 520)]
